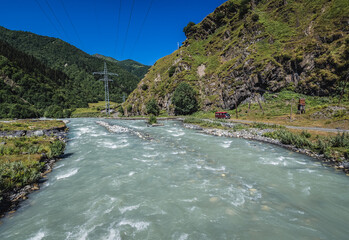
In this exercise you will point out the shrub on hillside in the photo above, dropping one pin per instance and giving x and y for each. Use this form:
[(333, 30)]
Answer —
[(172, 71), (184, 100), (187, 29), (152, 107)]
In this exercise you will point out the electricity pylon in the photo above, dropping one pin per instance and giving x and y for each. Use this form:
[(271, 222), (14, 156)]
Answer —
[(106, 81)]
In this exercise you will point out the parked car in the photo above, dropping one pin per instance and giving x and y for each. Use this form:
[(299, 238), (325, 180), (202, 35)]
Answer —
[(223, 115)]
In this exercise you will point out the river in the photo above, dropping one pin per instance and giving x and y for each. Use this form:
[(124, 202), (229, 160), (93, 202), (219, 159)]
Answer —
[(180, 185)]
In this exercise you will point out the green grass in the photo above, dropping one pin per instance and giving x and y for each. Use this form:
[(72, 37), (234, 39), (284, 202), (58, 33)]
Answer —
[(336, 147), (21, 158), (30, 125), (94, 110)]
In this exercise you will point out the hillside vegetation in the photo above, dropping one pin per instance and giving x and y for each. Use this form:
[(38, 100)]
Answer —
[(48, 75), (247, 48)]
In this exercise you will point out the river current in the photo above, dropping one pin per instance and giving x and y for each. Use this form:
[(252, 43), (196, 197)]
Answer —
[(180, 185)]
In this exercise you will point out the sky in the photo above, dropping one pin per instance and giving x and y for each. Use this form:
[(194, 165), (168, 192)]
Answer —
[(142, 30)]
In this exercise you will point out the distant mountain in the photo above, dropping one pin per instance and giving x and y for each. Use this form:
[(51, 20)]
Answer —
[(80, 86), (248, 47), (131, 66), (110, 59)]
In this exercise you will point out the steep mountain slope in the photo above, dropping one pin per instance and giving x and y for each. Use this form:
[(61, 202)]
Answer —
[(28, 86), (248, 47), (76, 64)]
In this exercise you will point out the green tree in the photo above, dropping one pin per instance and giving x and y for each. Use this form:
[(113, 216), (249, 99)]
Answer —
[(152, 107), (187, 29), (184, 99)]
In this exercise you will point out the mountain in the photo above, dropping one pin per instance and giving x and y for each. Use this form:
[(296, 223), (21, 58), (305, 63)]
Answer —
[(72, 80), (110, 59), (248, 47), (131, 66)]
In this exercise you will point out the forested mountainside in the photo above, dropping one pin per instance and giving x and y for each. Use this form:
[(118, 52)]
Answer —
[(56, 68), (248, 47), (28, 86)]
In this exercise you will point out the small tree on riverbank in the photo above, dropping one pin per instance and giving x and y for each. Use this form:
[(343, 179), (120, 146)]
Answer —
[(184, 99), (152, 107)]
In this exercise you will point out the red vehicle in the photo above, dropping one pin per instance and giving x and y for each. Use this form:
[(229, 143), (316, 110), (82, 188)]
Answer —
[(224, 115)]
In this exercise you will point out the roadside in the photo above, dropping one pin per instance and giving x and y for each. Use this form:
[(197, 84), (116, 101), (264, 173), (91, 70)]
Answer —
[(292, 127)]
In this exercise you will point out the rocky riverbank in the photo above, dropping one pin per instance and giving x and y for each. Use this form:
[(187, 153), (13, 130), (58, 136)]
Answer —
[(10, 199), (257, 135)]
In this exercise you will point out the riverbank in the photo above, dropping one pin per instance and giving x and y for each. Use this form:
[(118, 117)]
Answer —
[(258, 134), (28, 151)]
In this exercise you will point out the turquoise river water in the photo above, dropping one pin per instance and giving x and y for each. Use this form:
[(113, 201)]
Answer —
[(181, 185)]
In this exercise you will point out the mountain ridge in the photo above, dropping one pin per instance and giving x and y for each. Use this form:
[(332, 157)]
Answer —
[(246, 48)]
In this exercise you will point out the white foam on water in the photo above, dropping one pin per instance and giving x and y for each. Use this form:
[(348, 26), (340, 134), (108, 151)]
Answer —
[(306, 190), (178, 152), (178, 134), (148, 148), (84, 130), (132, 173), (40, 235), (59, 166), (184, 236), (113, 235), (139, 226), (128, 208), (112, 145), (190, 200), (150, 155), (79, 159), (67, 174), (226, 144), (215, 169)]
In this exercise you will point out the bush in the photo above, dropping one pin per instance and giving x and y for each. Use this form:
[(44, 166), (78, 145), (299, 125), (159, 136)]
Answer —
[(121, 110), (255, 17), (152, 119), (129, 108), (289, 138), (56, 148), (218, 18), (184, 100), (152, 107), (171, 71), (144, 87), (54, 111), (244, 7), (188, 28), (305, 134), (340, 140)]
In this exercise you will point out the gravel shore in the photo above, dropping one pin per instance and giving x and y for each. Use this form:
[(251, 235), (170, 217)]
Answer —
[(257, 135)]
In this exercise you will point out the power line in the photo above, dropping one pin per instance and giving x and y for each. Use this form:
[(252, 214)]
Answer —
[(59, 22), (128, 27), (106, 81), (142, 26), (71, 22), (48, 18), (117, 29)]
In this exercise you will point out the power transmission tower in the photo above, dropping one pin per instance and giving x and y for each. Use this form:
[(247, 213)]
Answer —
[(106, 81)]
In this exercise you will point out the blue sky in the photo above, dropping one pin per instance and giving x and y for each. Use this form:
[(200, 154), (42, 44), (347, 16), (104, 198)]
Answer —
[(97, 27)]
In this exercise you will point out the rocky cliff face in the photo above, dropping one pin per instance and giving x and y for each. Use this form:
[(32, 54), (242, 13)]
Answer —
[(246, 48)]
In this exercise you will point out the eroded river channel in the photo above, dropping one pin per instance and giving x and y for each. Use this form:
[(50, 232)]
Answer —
[(182, 184)]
